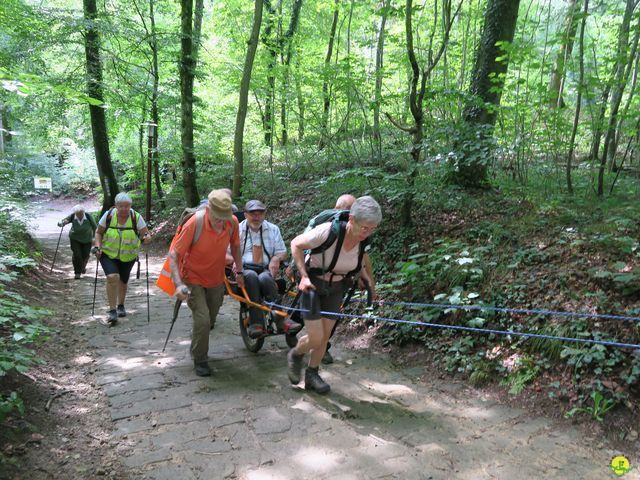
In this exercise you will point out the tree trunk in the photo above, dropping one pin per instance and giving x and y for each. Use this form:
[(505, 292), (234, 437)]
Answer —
[(326, 100), (622, 69), (379, 66), (187, 70), (238, 139), (1, 131), (576, 117), (556, 79), (301, 105), (287, 41), (96, 112), (155, 118), (491, 66), (270, 45)]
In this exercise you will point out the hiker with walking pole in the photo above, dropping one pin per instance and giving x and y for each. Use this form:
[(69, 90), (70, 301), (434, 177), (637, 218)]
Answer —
[(324, 276), (197, 261), (83, 228), (121, 231)]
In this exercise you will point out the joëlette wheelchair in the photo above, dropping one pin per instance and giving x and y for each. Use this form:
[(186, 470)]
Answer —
[(289, 298), (274, 318)]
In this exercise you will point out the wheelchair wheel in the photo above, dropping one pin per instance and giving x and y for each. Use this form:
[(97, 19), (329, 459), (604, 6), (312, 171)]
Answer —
[(291, 339), (253, 344)]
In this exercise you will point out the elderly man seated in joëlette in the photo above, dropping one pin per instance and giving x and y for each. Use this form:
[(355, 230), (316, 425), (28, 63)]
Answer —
[(263, 250)]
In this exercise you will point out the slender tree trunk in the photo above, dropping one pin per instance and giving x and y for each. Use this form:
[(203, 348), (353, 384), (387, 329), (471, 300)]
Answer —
[(141, 134), (326, 99), (491, 66), (187, 71), (624, 63), (576, 117), (558, 71), (1, 131), (270, 44), (301, 104), (238, 140), (96, 112), (287, 42), (155, 117), (378, 87), (197, 30)]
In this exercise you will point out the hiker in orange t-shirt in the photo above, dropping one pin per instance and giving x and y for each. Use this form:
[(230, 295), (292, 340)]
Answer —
[(200, 267)]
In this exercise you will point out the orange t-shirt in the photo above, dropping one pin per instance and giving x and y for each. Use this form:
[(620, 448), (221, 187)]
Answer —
[(203, 263)]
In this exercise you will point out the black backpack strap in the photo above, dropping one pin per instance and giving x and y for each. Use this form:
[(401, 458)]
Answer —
[(333, 236), (246, 234), (134, 221), (362, 250)]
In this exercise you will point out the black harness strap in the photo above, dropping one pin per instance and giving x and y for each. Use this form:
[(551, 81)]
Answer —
[(246, 235)]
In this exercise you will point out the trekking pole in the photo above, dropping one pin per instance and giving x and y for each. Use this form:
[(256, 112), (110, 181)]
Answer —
[(146, 259), (95, 286), (56, 254), (138, 272), (176, 311)]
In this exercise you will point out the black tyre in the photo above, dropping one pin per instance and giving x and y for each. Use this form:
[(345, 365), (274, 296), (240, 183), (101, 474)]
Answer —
[(253, 344), (291, 339)]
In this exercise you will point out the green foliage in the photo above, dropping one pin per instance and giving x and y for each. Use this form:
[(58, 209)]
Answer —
[(601, 405), (9, 404), (523, 372), (450, 265), (20, 326)]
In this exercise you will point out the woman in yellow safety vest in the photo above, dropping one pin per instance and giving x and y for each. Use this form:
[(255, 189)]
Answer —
[(116, 245)]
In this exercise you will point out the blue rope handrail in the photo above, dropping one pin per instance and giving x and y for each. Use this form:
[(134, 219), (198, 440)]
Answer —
[(469, 329)]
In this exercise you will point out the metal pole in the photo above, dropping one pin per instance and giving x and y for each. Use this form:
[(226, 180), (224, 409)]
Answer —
[(146, 258), (95, 286), (176, 311), (59, 237)]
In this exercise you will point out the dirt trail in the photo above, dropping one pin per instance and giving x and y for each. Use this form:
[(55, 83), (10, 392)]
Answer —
[(247, 422)]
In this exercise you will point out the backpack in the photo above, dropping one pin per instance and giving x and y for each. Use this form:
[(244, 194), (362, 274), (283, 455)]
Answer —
[(338, 219), (323, 217)]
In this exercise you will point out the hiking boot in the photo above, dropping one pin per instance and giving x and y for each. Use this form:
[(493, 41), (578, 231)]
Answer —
[(313, 381), (327, 358), (77, 276), (121, 311), (294, 364), (255, 331), (112, 317), (202, 369)]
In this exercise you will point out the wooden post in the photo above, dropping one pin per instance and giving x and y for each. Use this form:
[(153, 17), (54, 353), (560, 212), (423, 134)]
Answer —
[(151, 126)]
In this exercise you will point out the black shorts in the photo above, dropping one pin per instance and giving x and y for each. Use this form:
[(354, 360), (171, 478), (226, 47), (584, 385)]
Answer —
[(113, 265), (326, 298)]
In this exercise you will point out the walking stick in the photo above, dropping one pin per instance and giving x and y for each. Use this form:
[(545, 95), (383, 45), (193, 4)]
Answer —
[(56, 254), (95, 286), (146, 259), (176, 311)]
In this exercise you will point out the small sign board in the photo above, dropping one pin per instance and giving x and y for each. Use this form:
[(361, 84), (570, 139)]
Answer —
[(42, 183)]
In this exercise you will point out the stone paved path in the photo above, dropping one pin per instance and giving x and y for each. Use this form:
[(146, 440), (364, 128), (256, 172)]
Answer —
[(247, 422)]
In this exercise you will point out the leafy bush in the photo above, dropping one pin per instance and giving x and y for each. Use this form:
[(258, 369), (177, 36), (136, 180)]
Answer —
[(20, 327)]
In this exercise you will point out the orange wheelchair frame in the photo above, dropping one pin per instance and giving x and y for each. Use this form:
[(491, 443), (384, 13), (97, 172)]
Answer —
[(274, 317)]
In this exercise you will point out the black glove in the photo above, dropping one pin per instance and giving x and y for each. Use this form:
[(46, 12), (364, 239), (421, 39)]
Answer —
[(95, 250)]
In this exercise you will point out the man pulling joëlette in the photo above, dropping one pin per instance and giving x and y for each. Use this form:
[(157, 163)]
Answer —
[(200, 266)]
